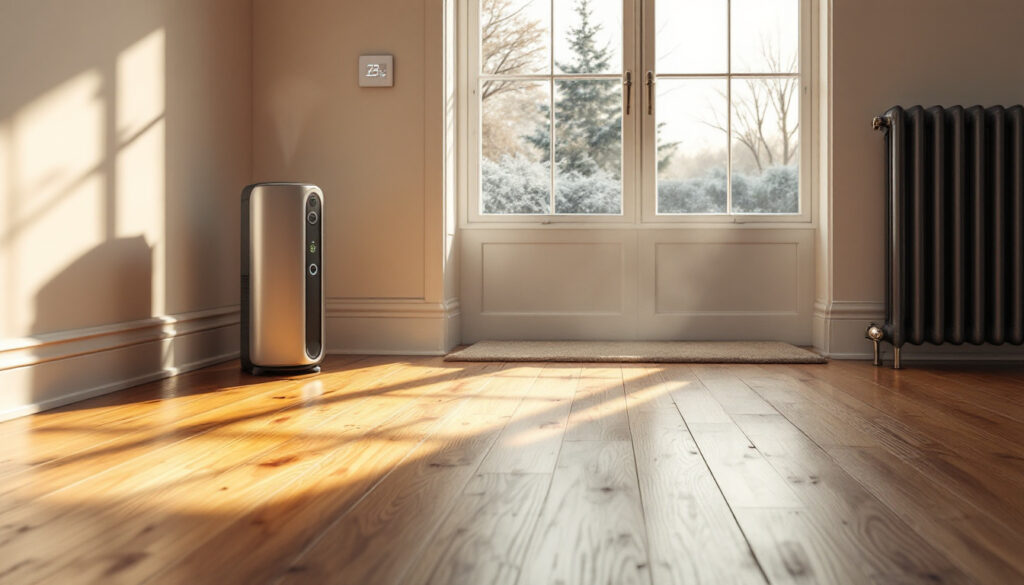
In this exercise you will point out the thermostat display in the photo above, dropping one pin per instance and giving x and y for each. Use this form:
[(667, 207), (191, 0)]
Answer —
[(376, 71)]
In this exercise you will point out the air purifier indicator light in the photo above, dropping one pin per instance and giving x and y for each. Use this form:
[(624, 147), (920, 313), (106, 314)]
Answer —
[(312, 247)]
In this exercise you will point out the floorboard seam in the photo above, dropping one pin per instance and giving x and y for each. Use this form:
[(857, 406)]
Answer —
[(735, 519)]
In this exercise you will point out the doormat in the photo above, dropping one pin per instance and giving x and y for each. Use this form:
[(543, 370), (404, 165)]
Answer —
[(698, 352)]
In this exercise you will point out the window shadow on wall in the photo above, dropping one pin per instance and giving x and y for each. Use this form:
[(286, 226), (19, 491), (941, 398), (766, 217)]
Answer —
[(121, 159)]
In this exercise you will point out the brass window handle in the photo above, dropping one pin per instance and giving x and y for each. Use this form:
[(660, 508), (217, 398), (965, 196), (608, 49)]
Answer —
[(650, 92), (628, 82)]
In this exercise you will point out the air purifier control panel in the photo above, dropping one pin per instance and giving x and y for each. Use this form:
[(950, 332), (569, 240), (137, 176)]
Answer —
[(314, 256)]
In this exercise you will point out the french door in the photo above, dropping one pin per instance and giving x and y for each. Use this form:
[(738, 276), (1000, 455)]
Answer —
[(603, 138)]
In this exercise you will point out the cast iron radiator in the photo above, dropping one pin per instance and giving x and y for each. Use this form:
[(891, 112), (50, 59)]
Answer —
[(955, 248)]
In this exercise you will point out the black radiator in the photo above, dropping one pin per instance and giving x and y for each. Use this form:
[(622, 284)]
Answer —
[(955, 251)]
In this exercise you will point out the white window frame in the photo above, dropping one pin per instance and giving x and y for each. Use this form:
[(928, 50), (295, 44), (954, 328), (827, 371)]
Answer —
[(639, 192)]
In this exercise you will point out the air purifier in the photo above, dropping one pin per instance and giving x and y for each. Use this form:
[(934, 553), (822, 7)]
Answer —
[(282, 297)]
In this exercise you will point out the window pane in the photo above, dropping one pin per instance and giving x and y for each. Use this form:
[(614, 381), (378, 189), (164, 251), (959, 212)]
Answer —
[(515, 163), (765, 161), (515, 36), (692, 139), (691, 36), (588, 36), (588, 146), (765, 36)]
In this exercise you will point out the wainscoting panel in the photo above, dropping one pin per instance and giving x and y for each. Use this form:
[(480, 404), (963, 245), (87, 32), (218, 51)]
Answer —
[(630, 283), (762, 277), (732, 283), (548, 284), (552, 277)]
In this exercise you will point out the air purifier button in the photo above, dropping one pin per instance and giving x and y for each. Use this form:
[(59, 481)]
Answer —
[(313, 270)]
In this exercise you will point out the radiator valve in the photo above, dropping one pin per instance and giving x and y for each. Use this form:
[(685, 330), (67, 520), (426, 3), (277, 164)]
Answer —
[(875, 334)]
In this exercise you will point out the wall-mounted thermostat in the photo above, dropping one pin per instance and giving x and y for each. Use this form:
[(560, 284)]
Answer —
[(376, 70)]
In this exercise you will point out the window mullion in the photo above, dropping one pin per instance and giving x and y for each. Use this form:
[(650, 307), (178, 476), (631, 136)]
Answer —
[(551, 109), (551, 144), (728, 105)]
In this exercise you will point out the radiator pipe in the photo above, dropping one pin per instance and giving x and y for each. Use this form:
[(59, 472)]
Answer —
[(879, 123), (897, 363)]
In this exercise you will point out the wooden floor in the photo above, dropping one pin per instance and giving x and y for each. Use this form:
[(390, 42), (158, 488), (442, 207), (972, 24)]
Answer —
[(413, 471)]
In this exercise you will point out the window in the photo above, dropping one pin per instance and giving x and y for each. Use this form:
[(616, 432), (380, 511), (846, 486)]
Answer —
[(561, 122), (551, 122), (727, 117)]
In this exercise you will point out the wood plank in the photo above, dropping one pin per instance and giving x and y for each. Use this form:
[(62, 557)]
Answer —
[(692, 398), (592, 528), (257, 456), (137, 439), (645, 387), (227, 480), (692, 535), (599, 407), (817, 412), (377, 540), (986, 551), (743, 475), (793, 549), (929, 441), (124, 432), (484, 539), (730, 391), (1000, 384), (908, 394), (531, 440), (862, 532), (368, 535)]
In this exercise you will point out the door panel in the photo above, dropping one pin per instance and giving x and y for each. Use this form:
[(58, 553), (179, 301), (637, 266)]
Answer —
[(616, 283)]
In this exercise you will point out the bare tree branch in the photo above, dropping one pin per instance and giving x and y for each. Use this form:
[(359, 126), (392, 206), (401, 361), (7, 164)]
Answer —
[(750, 113), (510, 43)]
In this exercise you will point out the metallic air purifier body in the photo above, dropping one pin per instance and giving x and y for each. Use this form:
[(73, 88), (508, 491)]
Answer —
[(282, 292)]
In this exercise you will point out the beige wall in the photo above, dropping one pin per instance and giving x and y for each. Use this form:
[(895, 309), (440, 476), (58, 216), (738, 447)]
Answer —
[(930, 52), (125, 138), (378, 154), (124, 131)]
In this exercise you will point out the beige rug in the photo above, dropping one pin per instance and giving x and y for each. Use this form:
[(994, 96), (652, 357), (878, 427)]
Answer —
[(724, 352)]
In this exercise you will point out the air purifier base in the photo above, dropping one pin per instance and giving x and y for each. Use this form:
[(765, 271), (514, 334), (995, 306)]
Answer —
[(262, 371)]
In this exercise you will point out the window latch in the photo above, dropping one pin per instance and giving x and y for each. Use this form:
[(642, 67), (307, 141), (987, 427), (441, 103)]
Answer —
[(650, 92), (628, 83)]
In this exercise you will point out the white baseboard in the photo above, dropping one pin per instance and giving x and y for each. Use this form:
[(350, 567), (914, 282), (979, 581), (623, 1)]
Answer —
[(392, 326), (839, 334), (839, 328), (56, 369)]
